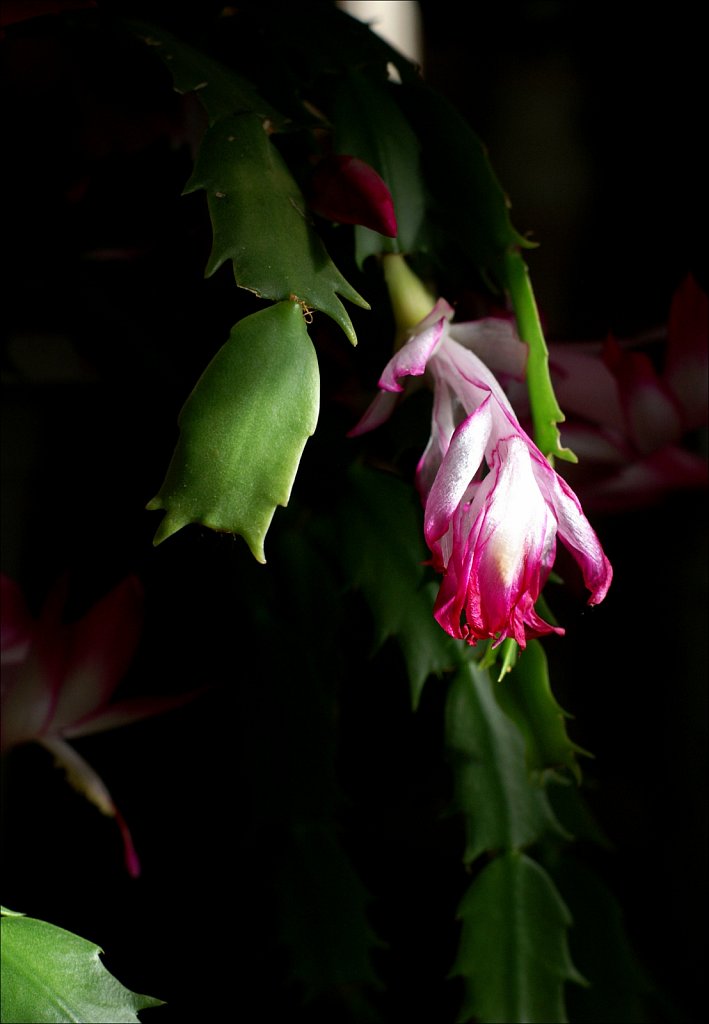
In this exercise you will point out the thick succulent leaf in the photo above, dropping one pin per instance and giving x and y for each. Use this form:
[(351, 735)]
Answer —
[(369, 124), (384, 556), (260, 222), (525, 695), (221, 90), (468, 200), (502, 806), (51, 975), (323, 920), (618, 988), (257, 210), (513, 953), (243, 430)]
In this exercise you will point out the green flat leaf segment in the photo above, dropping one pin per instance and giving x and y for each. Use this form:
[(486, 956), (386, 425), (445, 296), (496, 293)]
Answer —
[(221, 90), (51, 975), (502, 806), (260, 223), (525, 695), (513, 954), (370, 124), (323, 921), (257, 211), (467, 198), (384, 554), (243, 430)]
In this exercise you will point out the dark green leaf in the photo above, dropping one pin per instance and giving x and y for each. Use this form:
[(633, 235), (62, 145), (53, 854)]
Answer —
[(617, 986), (51, 975), (221, 90), (384, 554), (525, 695), (260, 222), (257, 211), (324, 922), (243, 430), (473, 215), (513, 953), (468, 200), (502, 806), (370, 124)]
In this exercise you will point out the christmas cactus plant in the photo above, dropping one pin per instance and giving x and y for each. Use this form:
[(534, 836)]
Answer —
[(357, 524)]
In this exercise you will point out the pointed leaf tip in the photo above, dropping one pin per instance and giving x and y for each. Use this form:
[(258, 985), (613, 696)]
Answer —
[(243, 430)]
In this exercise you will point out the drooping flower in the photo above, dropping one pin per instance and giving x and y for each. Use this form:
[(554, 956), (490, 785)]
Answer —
[(58, 679), (494, 506)]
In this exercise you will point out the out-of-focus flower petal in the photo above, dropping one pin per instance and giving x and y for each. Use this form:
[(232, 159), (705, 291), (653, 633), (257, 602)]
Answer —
[(594, 445), (127, 711), (644, 481), (651, 413), (27, 701), (496, 342), (62, 686), (584, 385), (88, 782), (100, 647)]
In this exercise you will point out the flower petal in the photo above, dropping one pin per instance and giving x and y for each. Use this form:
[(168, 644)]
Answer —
[(86, 780), (125, 712), (411, 359), (460, 464), (574, 529), (584, 385), (378, 412), (502, 550), (495, 341), (651, 412), (100, 649), (515, 550), (442, 429)]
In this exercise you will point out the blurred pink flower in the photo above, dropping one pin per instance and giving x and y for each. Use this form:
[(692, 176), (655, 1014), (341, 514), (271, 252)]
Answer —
[(494, 506), (625, 420), (58, 679)]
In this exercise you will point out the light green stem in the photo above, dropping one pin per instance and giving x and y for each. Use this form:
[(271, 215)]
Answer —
[(545, 408), (410, 300)]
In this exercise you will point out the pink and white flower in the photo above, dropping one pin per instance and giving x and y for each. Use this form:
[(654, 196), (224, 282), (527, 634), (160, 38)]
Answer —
[(58, 679), (494, 506)]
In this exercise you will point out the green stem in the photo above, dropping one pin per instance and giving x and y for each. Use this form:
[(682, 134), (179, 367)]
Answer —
[(545, 408), (410, 300)]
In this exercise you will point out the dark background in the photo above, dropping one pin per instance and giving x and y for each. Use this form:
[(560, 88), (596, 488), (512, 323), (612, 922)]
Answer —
[(593, 121)]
